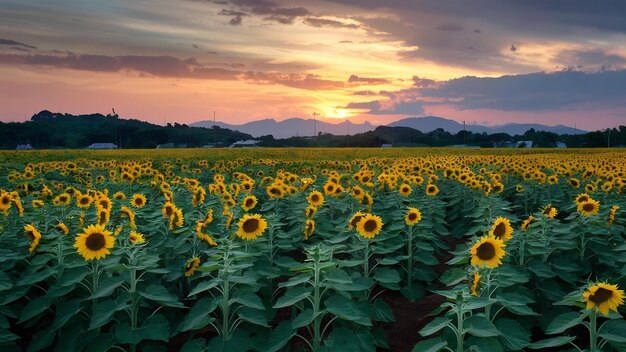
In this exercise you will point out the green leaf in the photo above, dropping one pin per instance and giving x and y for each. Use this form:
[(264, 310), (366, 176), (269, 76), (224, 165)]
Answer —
[(254, 316), (480, 326), (102, 313), (430, 345), (292, 296), (194, 345), (204, 286), (491, 344), (73, 276), (304, 318), (613, 331), (198, 316), (295, 280), (552, 342), (381, 311), (478, 302), (453, 276), (107, 286), (563, 322), (6, 336), (435, 325), (35, 307), (347, 310), (65, 311), (386, 275), (158, 293), (5, 282), (42, 339), (247, 299), (155, 328), (32, 277), (515, 336)]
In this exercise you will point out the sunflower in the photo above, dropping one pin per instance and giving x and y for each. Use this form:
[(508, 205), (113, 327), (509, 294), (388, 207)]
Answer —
[(37, 203), (275, 191), (208, 218), (251, 226), (432, 190), (603, 297), (191, 266), (355, 219), (527, 222), (94, 242), (413, 216), (5, 201), (136, 238), (549, 211), (475, 283), (139, 200), (63, 228), (316, 199), (357, 192), (62, 199), (369, 225), (589, 208), (103, 202), (83, 201), (248, 203), (574, 182), (519, 188), (103, 215), (405, 190), (168, 209), (583, 197), (33, 235), (612, 215), (309, 227), (487, 251), (330, 188), (125, 212), (310, 211), (501, 229)]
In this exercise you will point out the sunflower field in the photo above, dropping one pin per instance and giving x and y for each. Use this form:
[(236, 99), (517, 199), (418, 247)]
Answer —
[(313, 250)]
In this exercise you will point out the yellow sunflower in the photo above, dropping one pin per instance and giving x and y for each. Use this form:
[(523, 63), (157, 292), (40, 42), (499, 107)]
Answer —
[(527, 222), (5, 201), (249, 202), (168, 210), (136, 238), (475, 283), (413, 216), (612, 212), (330, 188), (37, 203), (487, 251), (139, 200), (603, 297), (83, 201), (589, 208), (119, 196), (501, 229), (405, 190), (369, 226), (310, 211), (191, 266), (355, 219), (583, 197), (251, 226), (94, 242), (549, 211), (33, 235), (432, 190), (62, 199), (309, 228), (63, 228), (316, 199), (103, 216)]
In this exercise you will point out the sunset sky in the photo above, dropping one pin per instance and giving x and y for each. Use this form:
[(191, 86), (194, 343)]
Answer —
[(488, 62)]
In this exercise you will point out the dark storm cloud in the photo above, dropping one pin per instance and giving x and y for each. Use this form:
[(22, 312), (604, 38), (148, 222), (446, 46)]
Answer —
[(16, 44), (322, 22), (533, 92), (354, 79)]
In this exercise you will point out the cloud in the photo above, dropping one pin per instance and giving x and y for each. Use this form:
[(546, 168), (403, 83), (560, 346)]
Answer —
[(354, 79), (389, 108), (237, 16), (423, 82), (533, 92), (14, 43), (294, 80), (449, 28), (163, 66), (271, 11), (590, 59), (322, 22), (364, 92)]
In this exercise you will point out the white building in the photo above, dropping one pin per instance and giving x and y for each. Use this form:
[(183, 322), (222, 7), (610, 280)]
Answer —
[(102, 146), (251, 143)]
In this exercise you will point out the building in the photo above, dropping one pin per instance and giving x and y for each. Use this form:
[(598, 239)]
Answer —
[(102, 146), (251, 143), (24, 147), (524, 144)]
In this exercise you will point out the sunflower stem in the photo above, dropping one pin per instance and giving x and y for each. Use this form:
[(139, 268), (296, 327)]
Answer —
[(459, 323), (593, 338), (409, 260)]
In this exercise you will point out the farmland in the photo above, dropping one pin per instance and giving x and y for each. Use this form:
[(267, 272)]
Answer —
[(313, 249)]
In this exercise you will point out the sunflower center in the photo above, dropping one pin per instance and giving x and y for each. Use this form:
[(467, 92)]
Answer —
[(251, 225), (63, 199), (500, 230), (249, 202), (412, 216), (486, 251), (30, 235), (95, 241), (583, 199), (84, 201), (589, 207), (431, 189), (139, 201), (275, 191), (370, 225), (356, 220), (6, 200), (601, 295)]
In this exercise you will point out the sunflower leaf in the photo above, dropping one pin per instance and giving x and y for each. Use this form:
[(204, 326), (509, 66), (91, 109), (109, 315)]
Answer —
[(613, 331), (563, 322), (434, 326), (552, 342)]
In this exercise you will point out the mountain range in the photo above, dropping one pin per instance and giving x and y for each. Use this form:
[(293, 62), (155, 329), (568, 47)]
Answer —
[(308, 127)]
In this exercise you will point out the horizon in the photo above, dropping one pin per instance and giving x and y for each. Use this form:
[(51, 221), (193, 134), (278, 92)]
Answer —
[(255, 59)]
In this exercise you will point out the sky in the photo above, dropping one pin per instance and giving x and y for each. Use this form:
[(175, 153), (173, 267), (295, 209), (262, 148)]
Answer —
[(484, 62)]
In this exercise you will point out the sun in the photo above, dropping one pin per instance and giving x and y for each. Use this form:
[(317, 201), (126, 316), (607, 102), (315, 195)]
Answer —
[(336, 113)]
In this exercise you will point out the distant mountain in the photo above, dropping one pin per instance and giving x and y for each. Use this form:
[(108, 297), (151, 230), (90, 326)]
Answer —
[(291, 127), (431, 123)]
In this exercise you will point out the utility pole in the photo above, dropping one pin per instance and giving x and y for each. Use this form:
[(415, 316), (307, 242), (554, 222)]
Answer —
[(464, 132), (393, 135), (214, 131), (315, 123), (608, 138)]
